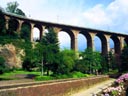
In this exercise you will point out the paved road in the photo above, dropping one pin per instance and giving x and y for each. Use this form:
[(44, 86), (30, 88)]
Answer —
[(94, 89)]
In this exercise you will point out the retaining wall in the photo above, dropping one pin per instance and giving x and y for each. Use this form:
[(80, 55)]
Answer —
[(53, 88)]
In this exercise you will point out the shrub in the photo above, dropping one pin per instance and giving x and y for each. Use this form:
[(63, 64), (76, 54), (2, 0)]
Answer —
[(76, 75), (41, 78), (118, 88), (64, 76), (122, 78), (3, 67)]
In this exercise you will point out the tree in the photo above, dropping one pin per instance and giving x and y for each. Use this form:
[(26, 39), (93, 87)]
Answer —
[(28, 60), (96, 62), (104, 64), (2, 65), (111, 61), (87, 59), (12, 7), (2, 24), (25, 32), (124, 59), (91, 61), (65, 62), (50, 49)]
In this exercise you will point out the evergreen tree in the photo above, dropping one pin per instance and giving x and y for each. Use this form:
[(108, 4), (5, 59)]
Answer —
[(50, 49)]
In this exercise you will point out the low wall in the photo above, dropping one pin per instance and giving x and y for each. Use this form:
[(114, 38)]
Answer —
[(55, 88)]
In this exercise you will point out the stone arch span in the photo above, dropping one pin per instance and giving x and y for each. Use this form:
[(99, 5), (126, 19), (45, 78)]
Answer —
[(103, 40), (82, 42), (117, 45), (88, 38), (40, 28), (72, 36)]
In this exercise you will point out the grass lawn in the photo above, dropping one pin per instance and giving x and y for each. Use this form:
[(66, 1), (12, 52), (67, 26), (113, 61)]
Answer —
[(13, 75)]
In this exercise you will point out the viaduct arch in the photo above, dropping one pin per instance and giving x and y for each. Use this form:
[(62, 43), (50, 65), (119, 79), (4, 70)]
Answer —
[(73, 32)]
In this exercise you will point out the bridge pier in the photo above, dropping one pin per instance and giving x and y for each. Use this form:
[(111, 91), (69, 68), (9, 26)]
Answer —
[(7, 21)]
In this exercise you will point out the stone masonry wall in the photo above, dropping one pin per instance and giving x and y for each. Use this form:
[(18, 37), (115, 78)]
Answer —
[(60, 88)]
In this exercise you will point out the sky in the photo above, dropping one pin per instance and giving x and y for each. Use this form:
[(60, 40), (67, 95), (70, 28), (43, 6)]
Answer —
[(109, 15)]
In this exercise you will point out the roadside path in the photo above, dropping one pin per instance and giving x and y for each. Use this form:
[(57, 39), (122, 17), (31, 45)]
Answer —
[(94, 89)]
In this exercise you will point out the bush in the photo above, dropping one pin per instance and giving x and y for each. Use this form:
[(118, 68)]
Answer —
[(3, 67), (64, 76), (71, 75), (42, 78), (77, 75)]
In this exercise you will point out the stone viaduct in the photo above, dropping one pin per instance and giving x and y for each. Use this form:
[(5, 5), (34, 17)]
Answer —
[(73, 31)]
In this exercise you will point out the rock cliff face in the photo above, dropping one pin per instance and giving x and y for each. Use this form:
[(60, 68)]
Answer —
[(12, 55)]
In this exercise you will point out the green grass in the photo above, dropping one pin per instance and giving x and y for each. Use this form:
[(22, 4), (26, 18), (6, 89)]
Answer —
[(12, 75), (63, 76)]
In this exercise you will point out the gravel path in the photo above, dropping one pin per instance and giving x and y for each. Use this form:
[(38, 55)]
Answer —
[(94, 89)]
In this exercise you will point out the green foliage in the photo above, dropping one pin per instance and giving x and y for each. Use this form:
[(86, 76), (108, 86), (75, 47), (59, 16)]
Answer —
[(77, 74), (12, 75), (12, 28), (42, 78), (3, 67), (50, 47), (12, 7), (89, 62), (30, 59), (20, 12), (21, 41), (2, 24), (61, 76), (74, 74), (124, 59), (27, 64), (66, 60), (112, 61), (25, 32), (97, 61), (104, 64), (80, 66)]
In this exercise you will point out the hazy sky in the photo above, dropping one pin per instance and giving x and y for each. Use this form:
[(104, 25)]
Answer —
[(111, 15)]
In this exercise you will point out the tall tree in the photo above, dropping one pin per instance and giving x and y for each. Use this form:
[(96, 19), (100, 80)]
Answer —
[(124, 59), (12, 7), (91, 61), (65, 62), (2, 23), (50, 47)]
